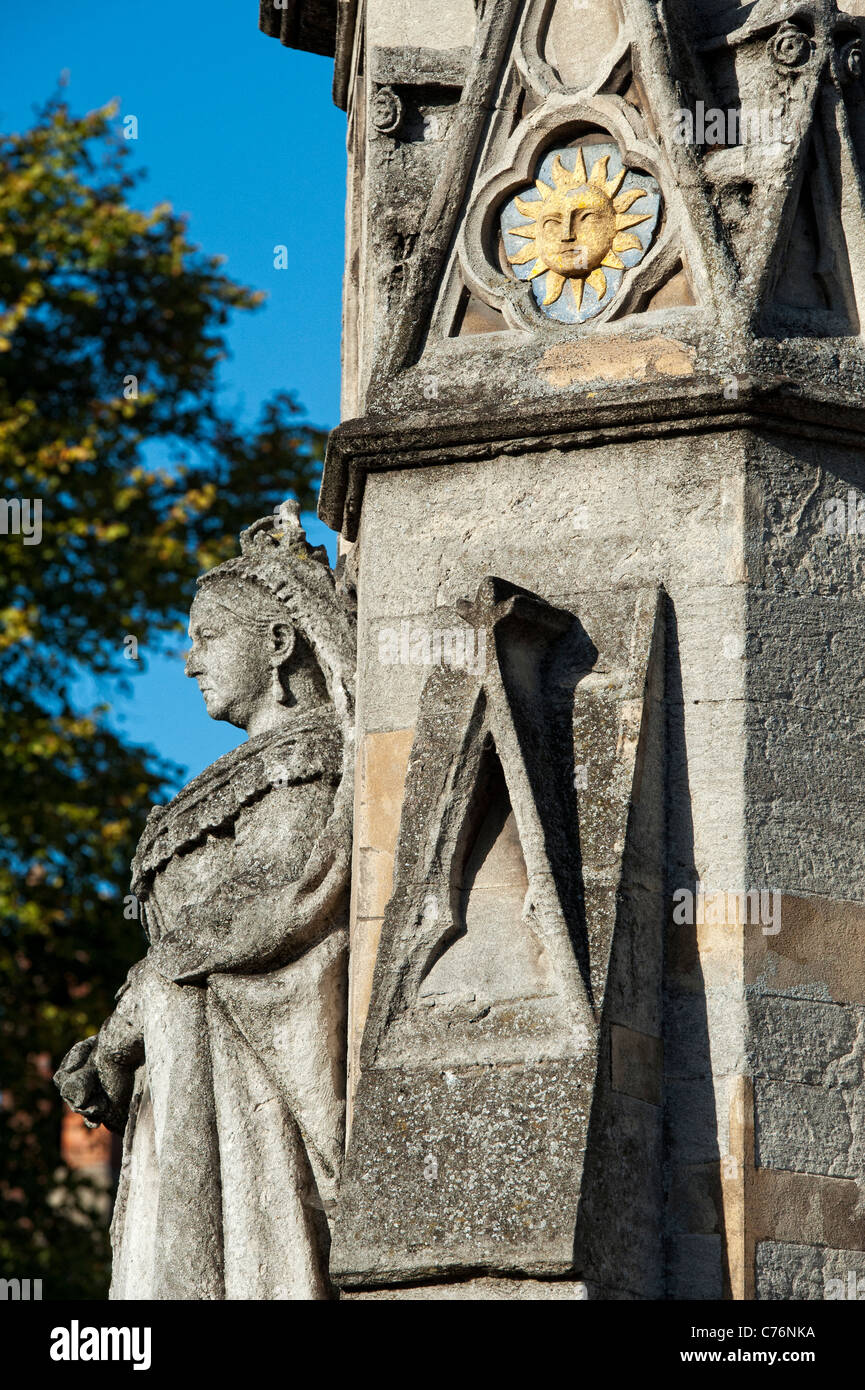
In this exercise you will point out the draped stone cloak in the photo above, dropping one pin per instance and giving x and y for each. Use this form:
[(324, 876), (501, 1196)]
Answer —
[(236, 1020)]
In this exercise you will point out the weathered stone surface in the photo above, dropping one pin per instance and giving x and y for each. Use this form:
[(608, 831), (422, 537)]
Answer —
[(636, 1064), (816, 955), (810, 1129), (520, 1290), (695, 1267), (791, 1271), (807, 1208), (803, 1041), (501, 1148)]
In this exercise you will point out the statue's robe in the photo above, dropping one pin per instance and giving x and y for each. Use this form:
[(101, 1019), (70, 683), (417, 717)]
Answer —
[(235, 1132)]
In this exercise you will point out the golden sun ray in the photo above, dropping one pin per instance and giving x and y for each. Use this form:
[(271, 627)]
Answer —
[(537, 269), (631, 219), (555, 285), (561, 177), (612, 186), (598, 282), (577, 288), (528, 209), (543, 188), (529, 229), (579, 174), (626, 241), (524, 255), (612, 261), (598, 176), (625, 200)]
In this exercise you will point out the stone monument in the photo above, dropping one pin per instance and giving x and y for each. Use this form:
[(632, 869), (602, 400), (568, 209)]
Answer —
[(598, 484), (223, 1063)]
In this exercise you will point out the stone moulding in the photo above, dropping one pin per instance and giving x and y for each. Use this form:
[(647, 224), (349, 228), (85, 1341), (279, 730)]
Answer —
[(359, 447), (550, 126), (494, 146), (306, 24), (492, 39), (316, 26), (471, 718), (497, 991), (536, 71)]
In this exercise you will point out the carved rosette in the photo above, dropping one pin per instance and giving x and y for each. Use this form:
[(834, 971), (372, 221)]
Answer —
[(790, 47), (388, 111)]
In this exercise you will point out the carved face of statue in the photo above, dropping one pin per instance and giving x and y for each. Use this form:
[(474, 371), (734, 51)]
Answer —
[(576, 230), (236, 662)]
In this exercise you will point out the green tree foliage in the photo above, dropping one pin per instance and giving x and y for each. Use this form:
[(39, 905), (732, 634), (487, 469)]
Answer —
[(112, 331)]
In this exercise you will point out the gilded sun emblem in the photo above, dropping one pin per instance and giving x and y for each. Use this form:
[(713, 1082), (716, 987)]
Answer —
[(578, 227)]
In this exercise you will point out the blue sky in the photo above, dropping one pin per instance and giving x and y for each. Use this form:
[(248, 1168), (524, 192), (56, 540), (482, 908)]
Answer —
[(240, 134)]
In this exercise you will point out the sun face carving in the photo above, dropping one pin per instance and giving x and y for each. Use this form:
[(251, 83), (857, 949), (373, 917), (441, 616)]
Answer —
[(578, 228)]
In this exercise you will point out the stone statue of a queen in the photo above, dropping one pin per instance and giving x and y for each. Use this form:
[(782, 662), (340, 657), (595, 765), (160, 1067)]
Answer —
[(223, 1062)]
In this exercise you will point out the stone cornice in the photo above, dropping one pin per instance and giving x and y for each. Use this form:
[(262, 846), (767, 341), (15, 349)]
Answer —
[(702, 406), (315, 26)]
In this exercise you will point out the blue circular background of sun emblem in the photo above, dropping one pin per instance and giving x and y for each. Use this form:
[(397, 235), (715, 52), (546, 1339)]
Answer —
[(565, 310)]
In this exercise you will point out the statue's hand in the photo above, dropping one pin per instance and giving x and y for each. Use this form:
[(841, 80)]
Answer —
[(79, 1083)]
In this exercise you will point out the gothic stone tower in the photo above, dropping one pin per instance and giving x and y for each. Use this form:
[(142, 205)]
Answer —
[(598, 484)]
